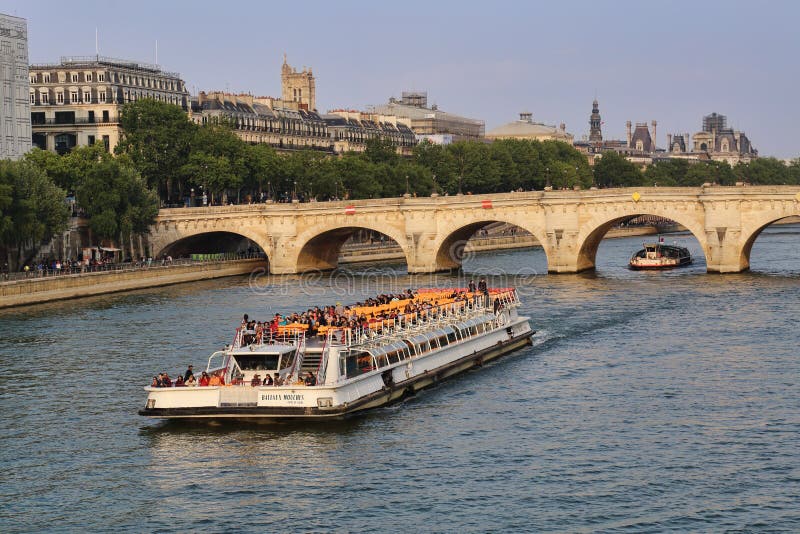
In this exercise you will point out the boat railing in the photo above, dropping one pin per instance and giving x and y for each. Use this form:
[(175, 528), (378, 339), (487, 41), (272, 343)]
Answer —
[(285, 336)]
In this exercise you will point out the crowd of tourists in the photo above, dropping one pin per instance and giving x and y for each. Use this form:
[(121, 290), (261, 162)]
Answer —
[(370, 315)]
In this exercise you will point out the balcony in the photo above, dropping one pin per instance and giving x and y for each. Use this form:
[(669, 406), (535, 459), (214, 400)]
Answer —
[(72, 122)]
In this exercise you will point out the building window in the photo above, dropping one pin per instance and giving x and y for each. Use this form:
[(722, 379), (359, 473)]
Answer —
[(107, 142), (47, 78), (102, 96), (91, 140), (73, 97), (75, 77), (33, 78), (60, 97), (101, 77), (87, 97), (87, 76), (44, 98), (33, 98)]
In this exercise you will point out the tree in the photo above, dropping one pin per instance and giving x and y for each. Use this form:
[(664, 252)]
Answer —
[(32, 210), (712, 172), (213, 174), (118, 202), (613, 170), (381, 150), (157, 137), (764, 171), (262, 164), (666, 173), (438, 160)]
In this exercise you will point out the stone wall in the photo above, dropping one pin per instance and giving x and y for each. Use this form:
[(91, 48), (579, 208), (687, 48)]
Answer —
[(37, 290)]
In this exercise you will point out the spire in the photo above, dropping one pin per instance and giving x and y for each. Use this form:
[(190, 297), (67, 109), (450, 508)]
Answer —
[(595, 132)]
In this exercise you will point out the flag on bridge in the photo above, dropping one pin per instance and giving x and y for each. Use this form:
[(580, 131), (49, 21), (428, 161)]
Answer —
[(350, 210), (486, 204)]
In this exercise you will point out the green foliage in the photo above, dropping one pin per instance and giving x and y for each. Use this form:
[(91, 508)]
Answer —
[(32, 209), (613, 170), (158, 138), (768, 171), (118, 201), (380, 150), (712, 172)]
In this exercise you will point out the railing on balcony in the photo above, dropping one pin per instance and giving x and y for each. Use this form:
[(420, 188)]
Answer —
[(77, 120)]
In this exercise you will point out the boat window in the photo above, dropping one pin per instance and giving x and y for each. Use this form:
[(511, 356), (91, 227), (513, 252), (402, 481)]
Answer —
[(451, 336), (357, 363), (442, 341), (383, 361), (257, 362), (286, 359)]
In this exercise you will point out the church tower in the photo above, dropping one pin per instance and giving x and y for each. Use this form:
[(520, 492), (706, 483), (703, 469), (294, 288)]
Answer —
[(298, 86), (595, 135)]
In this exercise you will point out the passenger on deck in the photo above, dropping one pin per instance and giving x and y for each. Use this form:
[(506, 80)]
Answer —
[(310, 380), (165, 381), (267, 380), (155, 383), (191, 382), (256, 381), (204, 379), (276, 380), (179, 382), (189, 373), (215, 380)]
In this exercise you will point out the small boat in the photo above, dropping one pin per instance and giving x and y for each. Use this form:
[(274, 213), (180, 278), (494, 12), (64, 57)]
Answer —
[(329, 372), (660, 256)]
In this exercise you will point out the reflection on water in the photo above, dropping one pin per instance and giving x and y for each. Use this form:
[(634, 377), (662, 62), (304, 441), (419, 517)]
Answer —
[(649, 401)]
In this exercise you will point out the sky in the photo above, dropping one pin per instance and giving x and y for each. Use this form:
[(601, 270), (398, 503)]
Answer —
[(669, 61)]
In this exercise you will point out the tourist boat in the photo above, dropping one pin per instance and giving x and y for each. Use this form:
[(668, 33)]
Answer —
[(660, 256), (355, 368)]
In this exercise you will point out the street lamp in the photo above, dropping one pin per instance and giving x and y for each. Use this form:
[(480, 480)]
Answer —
[(547, 186), (407, 193), (294, 192), (435, 188), (460, 178)]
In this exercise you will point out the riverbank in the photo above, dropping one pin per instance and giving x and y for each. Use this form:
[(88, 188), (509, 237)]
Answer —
[(39, 290)]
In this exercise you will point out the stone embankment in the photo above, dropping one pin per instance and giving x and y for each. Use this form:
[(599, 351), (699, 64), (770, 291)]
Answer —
[(38, 290)]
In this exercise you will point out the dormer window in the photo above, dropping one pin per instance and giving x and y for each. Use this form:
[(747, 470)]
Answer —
[(74, 77)]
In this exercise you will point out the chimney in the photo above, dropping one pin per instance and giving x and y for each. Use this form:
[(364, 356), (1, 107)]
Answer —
[(653, 148), (563, 127), (669, 142), (630, 136)]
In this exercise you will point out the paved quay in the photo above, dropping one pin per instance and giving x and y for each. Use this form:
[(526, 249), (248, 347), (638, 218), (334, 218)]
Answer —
[(47, 289)]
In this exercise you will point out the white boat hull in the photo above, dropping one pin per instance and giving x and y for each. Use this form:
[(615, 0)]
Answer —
[(343, 398)]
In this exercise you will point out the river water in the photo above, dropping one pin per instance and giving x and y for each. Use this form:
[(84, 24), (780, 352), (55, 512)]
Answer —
[(648, 402)]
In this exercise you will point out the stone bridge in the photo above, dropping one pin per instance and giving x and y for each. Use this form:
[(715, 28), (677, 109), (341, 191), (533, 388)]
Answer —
[(432, 230)]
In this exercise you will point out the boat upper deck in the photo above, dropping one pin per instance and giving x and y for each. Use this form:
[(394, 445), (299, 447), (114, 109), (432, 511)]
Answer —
[(362, 323)]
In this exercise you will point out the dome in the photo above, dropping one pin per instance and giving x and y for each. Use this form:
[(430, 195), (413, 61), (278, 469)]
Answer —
[(523, 129)]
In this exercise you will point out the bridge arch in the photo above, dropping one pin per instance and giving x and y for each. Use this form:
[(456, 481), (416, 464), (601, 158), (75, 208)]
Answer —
[(319, 248), (593, 231), (751, 232), (202, 240), (451, 242)]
